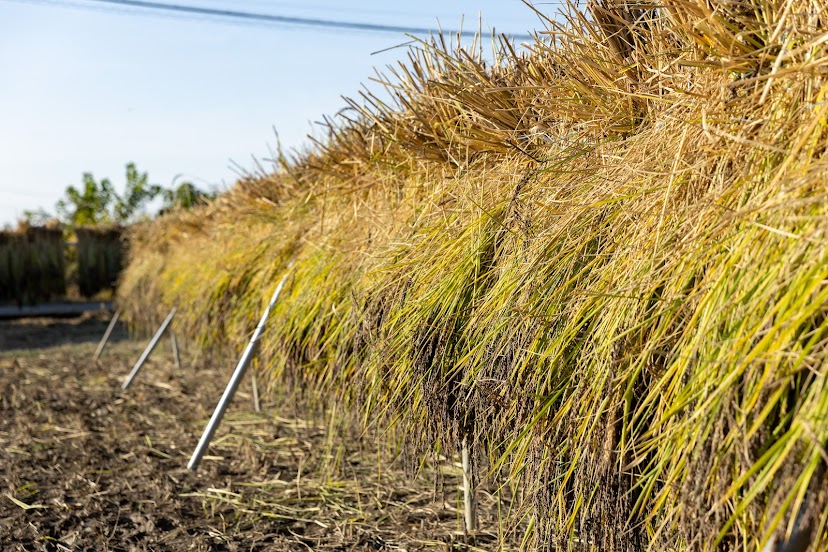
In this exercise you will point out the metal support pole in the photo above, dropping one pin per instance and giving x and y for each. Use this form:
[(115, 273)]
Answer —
[(176, 355), (106, 335), (469, 491), (148, 350), (235, 379)]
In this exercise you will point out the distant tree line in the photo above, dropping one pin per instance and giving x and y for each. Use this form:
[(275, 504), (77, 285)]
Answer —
[(98, 203)]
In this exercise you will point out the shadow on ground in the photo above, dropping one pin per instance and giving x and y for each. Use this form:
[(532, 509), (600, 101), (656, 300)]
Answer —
[(40, 333)]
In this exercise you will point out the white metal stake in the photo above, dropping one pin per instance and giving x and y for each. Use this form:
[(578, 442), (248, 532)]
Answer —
[(235, 379), (106, 334), (176, 356), (148, 350), (469, 492)]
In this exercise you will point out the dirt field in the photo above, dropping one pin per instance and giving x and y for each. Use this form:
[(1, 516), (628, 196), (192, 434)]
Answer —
[(85, 466)]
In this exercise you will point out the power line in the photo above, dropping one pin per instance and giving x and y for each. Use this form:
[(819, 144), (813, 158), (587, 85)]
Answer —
[(288, 20)]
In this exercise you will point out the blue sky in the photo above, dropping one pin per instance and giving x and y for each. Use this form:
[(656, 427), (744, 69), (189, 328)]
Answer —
[(90, 90)]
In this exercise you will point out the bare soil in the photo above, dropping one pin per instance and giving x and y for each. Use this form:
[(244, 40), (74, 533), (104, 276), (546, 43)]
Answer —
[(85, 466)]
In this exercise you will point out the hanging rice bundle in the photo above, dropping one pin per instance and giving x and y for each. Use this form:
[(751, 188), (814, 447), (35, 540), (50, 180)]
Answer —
[(100, 258), (604, 261), (31, 265)]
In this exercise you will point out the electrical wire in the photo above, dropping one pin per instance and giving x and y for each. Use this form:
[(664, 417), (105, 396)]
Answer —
[(253, 17)]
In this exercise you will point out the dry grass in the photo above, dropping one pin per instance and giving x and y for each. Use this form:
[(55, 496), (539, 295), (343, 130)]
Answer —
[(604, 259)]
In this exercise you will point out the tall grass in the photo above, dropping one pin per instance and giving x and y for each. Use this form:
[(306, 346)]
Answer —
[(603, 259)]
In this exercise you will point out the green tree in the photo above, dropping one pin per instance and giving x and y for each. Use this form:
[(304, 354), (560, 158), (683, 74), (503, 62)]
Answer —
[(185, 196), (37, 217), (98, 202), (138, 193), (87, 205)]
